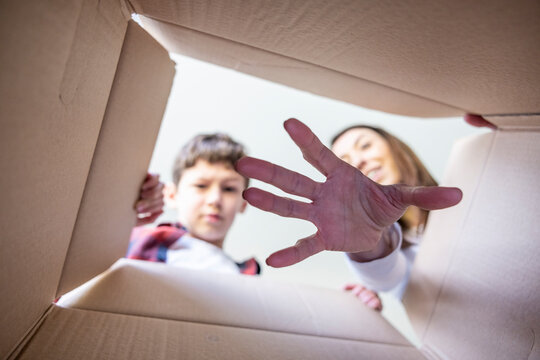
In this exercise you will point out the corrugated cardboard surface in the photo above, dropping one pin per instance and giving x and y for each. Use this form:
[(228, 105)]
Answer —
[(465, 168), (295, 73), (516, 122), (137, 101), (146, 289), (489, 303), (477, 56), (79, 334), (57, 65)]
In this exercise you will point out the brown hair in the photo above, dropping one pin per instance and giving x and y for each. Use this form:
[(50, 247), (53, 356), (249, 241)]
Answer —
[(214, 148), (411, 170)]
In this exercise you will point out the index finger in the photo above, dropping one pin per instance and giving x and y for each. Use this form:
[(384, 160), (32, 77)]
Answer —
[(318, 155), (287, 180)]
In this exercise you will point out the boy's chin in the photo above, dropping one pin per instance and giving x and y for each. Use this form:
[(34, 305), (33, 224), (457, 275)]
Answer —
[(211, 237)]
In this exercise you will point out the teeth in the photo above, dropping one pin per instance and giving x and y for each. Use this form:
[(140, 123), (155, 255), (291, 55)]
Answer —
[(371, 174)]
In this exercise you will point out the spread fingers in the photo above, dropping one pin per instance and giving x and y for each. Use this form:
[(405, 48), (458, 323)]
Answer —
[(278, 205)]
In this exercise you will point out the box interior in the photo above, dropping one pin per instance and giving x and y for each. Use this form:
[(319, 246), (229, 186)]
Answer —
[(434, 59), (84, 90)]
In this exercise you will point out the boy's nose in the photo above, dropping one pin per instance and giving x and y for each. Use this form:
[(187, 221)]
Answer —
[(214, 196)]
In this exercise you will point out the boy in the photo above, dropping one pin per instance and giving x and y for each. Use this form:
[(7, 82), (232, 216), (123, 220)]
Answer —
[(207, 193)]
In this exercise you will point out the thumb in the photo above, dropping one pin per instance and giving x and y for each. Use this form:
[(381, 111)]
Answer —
[(431, 197)]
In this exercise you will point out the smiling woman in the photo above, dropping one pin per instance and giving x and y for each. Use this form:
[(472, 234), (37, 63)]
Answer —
[(369, 152), (386, 160)]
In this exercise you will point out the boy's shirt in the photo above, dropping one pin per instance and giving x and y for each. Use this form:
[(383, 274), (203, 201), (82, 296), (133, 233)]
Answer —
[(170, 243)]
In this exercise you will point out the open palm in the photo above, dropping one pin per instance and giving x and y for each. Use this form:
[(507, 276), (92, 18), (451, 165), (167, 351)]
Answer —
[(349, 210)]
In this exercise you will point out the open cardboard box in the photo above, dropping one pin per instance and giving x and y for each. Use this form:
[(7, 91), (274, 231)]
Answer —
[(83, 91)]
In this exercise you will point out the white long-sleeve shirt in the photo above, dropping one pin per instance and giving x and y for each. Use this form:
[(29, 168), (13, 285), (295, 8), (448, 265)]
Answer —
[(390, 273)]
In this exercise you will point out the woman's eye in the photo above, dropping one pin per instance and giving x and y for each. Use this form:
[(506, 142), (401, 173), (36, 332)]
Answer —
[(200, 186), (365, 146)]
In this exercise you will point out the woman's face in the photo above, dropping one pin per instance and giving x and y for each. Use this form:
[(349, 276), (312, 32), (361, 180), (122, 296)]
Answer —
[(369, 152)]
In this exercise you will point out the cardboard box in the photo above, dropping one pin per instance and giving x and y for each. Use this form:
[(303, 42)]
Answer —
[(83, 91)]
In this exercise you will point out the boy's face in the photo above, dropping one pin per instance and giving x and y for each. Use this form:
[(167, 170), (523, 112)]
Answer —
[(208, 197)]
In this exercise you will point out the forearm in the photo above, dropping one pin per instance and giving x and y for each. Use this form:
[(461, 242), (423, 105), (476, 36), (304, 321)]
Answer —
[(388, 265)]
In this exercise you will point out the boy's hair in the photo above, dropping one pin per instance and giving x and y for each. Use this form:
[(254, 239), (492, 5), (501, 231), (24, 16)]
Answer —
[(214, 148)]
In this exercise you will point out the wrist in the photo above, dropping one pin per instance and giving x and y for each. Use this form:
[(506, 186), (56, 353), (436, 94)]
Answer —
[(382, 249)]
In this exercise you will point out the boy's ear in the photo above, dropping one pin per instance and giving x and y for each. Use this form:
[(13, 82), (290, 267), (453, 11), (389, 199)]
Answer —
[(169, 194), (243, 206)]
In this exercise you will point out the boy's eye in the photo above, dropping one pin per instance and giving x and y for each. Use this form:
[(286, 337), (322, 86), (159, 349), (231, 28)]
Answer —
[(232, 189), (201, 186)]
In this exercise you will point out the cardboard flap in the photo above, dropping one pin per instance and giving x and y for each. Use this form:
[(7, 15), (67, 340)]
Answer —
[(474, 290), (141, 288), (480, 57), (80, 334), (291, 72), (130, 126), (464, 170), (55, 83), (516, 122)]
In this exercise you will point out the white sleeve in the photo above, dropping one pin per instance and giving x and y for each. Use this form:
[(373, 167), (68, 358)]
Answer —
[(386, 273)]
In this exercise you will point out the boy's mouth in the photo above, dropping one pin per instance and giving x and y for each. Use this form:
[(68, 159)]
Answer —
[(212, 218)]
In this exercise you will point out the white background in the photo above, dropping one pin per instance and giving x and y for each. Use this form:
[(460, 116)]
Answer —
[(207, 98)]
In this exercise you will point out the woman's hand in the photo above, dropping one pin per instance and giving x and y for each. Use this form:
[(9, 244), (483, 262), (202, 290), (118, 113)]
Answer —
[(479, 121), (349, 210), (368, 297)]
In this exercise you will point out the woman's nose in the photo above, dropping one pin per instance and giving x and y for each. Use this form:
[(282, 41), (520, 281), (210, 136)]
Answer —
[(358, 161)]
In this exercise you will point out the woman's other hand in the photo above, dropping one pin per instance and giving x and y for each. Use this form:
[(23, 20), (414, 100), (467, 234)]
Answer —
[(368, 297)]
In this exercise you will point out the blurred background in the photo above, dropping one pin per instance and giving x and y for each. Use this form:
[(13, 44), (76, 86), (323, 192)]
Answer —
[(207, 98)]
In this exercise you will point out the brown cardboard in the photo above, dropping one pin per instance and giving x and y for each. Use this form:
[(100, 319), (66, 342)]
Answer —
[(57, 65), (295, 73), (488, 299), (516, 122), (136, 104), (475, 296), (462, 55), (134, 287), (465, 167), (48, 166), (79, 334)]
